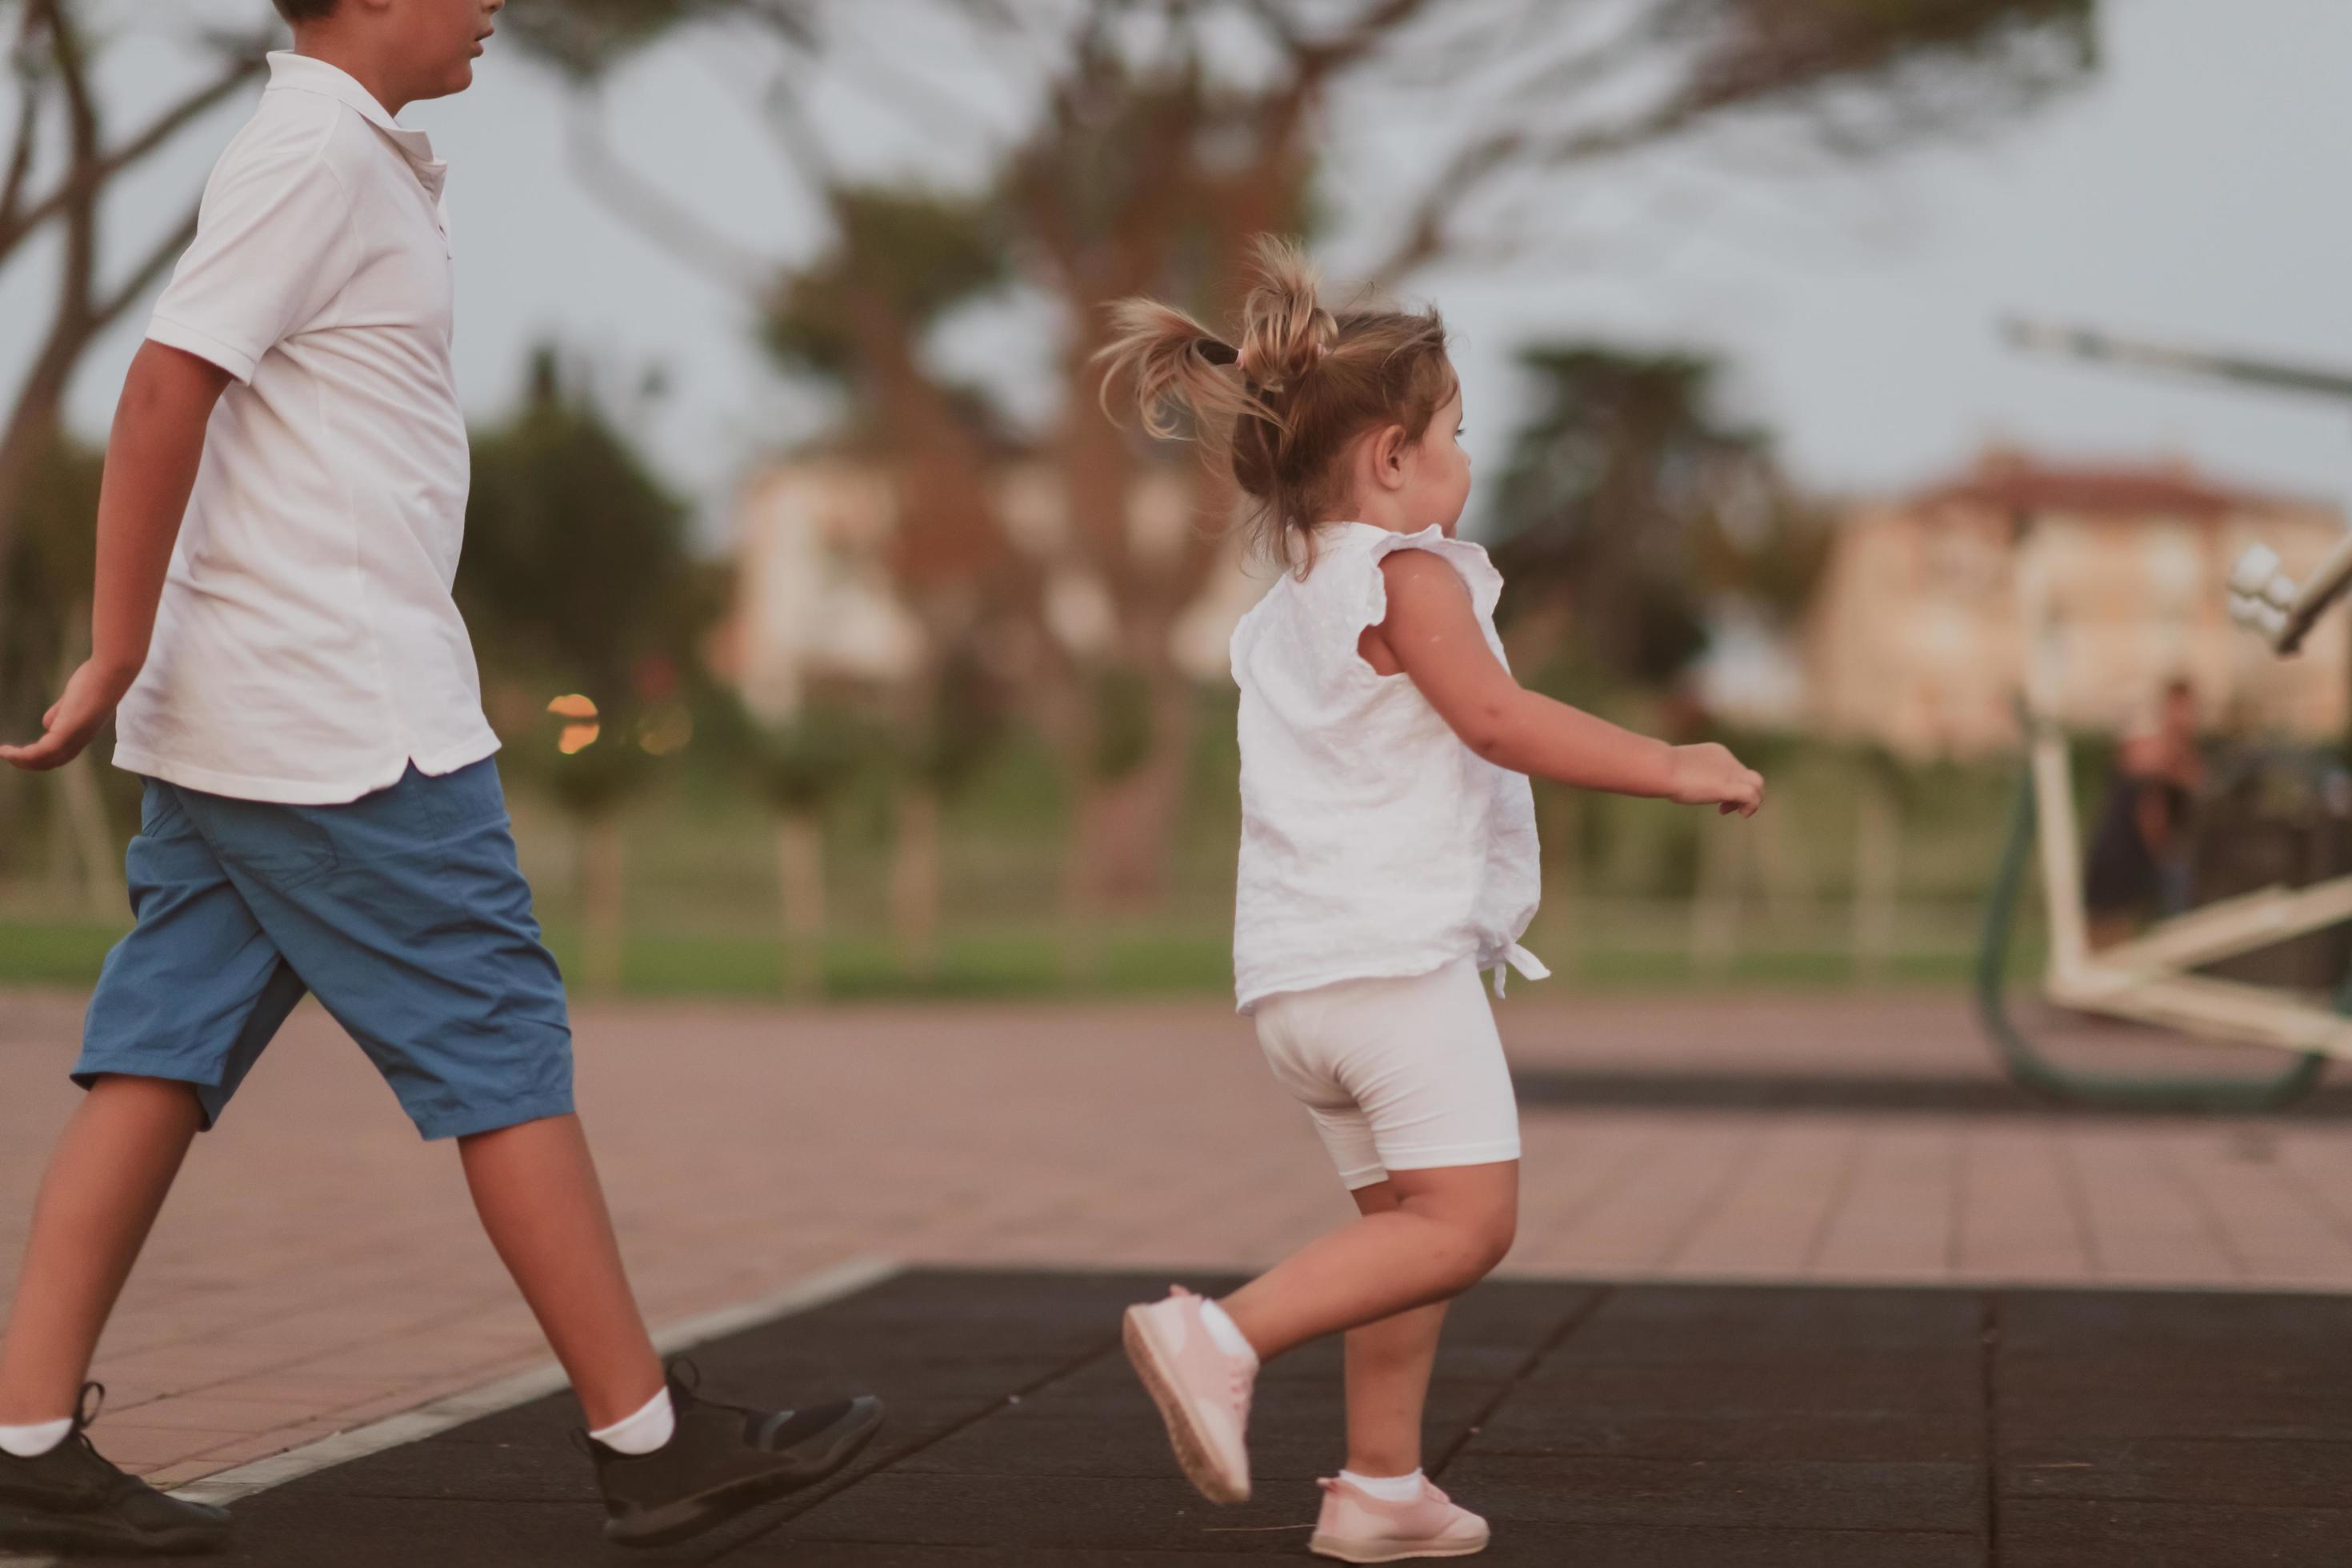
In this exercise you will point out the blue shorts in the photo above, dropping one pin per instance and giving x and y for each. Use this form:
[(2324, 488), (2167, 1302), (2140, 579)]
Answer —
[(404, 911)]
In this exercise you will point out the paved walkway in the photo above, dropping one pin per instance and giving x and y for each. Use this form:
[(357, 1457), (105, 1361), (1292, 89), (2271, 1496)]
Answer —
[(1608, 1426), (318, 1267)]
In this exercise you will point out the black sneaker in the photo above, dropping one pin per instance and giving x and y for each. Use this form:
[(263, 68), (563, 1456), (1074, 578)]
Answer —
[(72, 1498), (723, 1461)]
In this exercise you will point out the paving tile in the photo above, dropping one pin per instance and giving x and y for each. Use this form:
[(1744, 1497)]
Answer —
[(155, 1446), (1895, 1217), (1769, 1138)]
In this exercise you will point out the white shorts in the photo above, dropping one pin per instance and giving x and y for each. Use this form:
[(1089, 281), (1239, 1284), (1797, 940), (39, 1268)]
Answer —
[(1399, 1074)]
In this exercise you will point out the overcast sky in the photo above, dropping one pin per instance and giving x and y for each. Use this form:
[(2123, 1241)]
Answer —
[(2194, 191)]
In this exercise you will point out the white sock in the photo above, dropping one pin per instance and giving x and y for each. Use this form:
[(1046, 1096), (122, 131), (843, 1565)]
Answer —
[(643, 1433), (1229, 1337), (32, 1442), (1388, 1488)]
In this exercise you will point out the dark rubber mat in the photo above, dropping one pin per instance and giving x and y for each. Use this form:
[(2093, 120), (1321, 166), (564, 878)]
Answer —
[(1542, 1089), (1599, 1425)]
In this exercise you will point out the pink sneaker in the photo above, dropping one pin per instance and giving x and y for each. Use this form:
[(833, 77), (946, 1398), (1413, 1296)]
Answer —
[(1204, 1393), (1358, 1527)]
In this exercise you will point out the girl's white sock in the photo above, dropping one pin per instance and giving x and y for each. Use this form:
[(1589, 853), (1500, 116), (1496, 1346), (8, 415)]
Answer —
[(1388, 1488), (32, 1442), (1229, 1337), (643, 1433)]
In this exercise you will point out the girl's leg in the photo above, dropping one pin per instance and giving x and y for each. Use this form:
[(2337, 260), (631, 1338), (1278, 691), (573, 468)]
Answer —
[(1388, 1374), (1447, 1229)]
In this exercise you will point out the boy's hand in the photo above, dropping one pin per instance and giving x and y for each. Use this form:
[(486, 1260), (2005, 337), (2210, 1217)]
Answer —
[(89, 698), (1709, 774)]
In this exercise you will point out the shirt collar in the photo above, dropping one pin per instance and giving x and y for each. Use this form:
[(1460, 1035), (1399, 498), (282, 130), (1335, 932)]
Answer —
[(290, 72)]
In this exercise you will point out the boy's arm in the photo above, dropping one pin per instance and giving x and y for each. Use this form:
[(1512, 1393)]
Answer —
[(151, 466), (1433, 630)]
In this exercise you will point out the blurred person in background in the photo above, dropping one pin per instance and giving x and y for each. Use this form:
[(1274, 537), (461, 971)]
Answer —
[(2139, 856)]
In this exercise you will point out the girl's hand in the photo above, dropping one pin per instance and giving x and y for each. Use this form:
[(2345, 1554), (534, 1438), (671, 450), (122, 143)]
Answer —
[(1709, 774)]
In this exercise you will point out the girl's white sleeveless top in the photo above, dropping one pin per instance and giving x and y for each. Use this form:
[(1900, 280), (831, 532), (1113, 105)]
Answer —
[(1374, 843)]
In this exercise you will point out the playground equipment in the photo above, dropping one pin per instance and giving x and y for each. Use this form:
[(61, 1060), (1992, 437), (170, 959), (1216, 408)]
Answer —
[(2151, 978)]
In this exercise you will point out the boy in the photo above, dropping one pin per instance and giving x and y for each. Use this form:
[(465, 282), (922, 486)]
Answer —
[(321, 814)]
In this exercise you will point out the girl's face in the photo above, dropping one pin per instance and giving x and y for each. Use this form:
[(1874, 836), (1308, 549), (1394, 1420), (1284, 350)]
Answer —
[(1437, 472)]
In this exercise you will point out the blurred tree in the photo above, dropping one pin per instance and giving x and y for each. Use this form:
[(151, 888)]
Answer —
[(1166, 134), (803, 767), (1628, 505), (44, 634), (942, 742), (56, 174), (576, 579), (58, 166)]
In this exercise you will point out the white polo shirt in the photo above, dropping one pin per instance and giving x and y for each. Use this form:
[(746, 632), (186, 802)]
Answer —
[(305, 648)]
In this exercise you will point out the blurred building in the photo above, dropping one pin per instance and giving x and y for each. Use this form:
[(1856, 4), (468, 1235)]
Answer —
[(815, 600), (813, 595), (2089, 586)]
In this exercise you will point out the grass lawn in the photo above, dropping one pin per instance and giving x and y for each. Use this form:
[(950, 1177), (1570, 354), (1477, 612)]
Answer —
[(1004, 963)]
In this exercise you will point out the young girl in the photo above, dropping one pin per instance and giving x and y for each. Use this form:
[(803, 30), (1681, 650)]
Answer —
[(1388, 857)]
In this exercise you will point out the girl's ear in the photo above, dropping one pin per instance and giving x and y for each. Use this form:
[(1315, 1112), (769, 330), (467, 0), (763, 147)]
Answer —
[(1388, 454)]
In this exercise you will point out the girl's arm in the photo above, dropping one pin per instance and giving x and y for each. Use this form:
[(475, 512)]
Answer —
[(1432, 634)]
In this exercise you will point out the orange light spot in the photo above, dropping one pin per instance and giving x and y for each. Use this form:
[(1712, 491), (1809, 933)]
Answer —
[(666, 732)]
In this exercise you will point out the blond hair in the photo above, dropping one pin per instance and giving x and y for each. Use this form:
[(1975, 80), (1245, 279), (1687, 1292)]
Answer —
[(1282, 400)]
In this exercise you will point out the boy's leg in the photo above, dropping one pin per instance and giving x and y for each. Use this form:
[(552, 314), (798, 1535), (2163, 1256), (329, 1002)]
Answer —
[(104, 1186), (1449, 1227), (535, 1187), (1389, 1363), (186, 1005), (415, 932)]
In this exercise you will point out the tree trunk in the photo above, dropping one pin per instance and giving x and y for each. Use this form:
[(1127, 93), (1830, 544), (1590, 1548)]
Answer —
[(1785, 899), (800, 874), (1126, 826), (602, 922), (93, 841), (915, 882), (1877, 871), (85, 845), (1714, 902), (1560, 817), (33, 428)]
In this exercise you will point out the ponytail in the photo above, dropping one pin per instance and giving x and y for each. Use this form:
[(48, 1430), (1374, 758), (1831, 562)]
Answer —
[(1282, 406)]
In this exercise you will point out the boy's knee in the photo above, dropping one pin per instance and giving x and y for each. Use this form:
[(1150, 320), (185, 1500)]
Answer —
[(135, 1094)]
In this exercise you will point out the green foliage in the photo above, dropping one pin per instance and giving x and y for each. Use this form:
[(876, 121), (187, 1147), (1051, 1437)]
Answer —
[(913, 254), (595, 778), (1627, 502), (949, 744), (584, 38), (46, 581), (804, 763), (1123, 720), (576, 579), (576, 572)]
